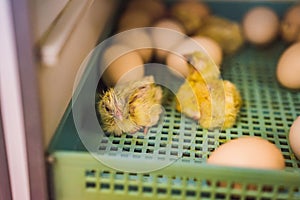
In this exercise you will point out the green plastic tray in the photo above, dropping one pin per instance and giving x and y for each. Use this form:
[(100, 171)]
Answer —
[(268, 112)]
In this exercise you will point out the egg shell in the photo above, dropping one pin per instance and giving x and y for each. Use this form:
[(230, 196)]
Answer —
[(123, 65), (288, 67), (176, 61), (290, 25), (166, 39), (294, 137), (248, 152), (260, 25), (137, 39)]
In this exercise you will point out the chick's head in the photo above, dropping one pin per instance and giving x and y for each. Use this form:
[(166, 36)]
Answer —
[(110, 106)]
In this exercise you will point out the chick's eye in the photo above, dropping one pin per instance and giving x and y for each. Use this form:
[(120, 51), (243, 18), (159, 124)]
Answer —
[(106, 108)]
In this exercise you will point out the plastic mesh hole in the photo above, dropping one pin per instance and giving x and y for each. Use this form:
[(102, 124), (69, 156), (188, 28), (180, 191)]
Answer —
[(132, 188), (119, 176), (132, 176), (138, 150), (105, 175), (161, 191), (151, 144), (186, 154), (113, 148), (90, 173), (190, 193), (126, 149), (116, 141), (119, 187), (104, 186), (176, 192), (205, 194), (102, 148), (90, 185), (147, 190), (162, 145)]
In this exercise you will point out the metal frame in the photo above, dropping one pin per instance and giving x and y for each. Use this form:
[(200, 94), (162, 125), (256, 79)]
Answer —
[(30, 99), (5, 191), (20, 109)]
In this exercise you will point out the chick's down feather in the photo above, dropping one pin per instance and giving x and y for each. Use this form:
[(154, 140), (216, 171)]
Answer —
[(217, 102), (129, 107)]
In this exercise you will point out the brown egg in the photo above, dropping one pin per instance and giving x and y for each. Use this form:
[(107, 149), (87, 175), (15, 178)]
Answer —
[(123, 65), (290, 25), (294, 137), (177, 62), (260, 25), (212, 48), (248, 152), (288, 67), (134, 19), (178, 65), (166, 39), (139, 40), (155, 8), (190, 13)]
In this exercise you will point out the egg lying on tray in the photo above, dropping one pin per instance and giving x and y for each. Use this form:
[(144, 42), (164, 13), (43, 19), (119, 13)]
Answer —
[(288, 67), (261, 25), (248, 152), (290, 25)]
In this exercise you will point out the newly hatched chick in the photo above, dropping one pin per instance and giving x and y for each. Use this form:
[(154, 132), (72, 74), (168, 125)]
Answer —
[(220, 104), (201, 62), (212, 102), (228, 34), (206, 70), (129, 107)]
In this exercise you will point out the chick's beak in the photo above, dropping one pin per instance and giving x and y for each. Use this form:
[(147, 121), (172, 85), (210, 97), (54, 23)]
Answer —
[(118, 114)]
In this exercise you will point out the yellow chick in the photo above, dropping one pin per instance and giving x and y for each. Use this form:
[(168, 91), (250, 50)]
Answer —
[(199, 61), (129, 107), (206, 69), (213, 102), (226, 33)]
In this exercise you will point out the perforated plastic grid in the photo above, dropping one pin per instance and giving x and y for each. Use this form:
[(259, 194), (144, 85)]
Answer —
[(268, 111), (181, 187)]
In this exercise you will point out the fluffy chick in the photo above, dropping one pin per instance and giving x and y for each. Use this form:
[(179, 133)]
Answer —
[(228, 34), (199, 61), (129, 107), (212, 102), (202, 68)]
